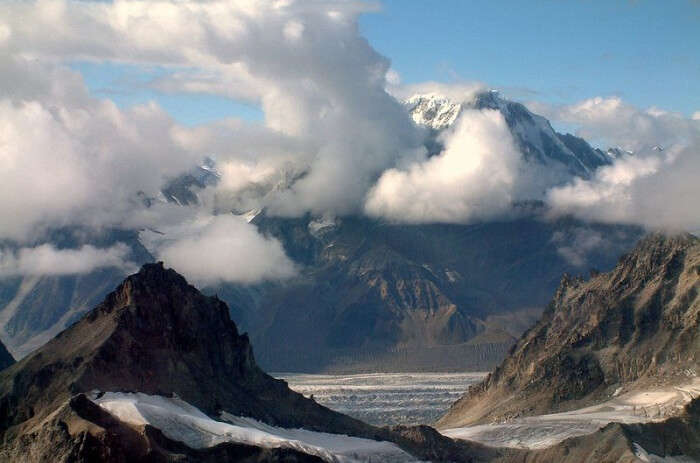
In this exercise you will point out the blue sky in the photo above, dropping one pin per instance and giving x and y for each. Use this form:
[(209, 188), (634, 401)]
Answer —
[(561, 51)]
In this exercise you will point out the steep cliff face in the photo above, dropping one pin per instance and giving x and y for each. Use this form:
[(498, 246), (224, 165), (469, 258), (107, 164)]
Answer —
[(154, 334), (634, 327), (6, 358)]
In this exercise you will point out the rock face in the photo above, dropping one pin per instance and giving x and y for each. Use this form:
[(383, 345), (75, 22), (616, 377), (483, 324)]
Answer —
[(81, 432), (634, 327), (6, 359), (388, 297), (157, 335)]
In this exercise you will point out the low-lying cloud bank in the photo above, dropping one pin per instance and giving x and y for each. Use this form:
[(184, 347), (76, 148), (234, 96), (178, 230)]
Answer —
[(334, 140), (224, 249), (46, 259)]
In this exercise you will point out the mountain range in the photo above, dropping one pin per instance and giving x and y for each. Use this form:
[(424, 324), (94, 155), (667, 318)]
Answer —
[(159, 372), (414, 297)]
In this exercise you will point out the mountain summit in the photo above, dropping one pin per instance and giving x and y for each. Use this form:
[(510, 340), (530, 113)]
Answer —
[(533, 134), (157, 336)]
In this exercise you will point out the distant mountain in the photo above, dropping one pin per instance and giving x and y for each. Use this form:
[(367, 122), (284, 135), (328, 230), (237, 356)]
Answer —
[(374, 295), (633, 328), (378, 296), (567, 154), (155, 340), (183, 189)]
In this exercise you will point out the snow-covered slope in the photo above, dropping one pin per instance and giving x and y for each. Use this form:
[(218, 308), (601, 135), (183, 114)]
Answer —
[(183, 422), (537, 432), (432, 110)]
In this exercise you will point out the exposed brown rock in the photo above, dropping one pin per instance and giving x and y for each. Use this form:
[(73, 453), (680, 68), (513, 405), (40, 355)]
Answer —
[(635, 326), (157, 335)]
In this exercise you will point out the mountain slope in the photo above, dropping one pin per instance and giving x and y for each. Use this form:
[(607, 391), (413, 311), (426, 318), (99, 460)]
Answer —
[(380, 296), (629, 329), (157, 335)]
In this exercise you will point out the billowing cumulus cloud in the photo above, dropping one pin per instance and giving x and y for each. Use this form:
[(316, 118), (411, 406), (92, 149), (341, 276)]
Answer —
[(330, 127), (476, 177), (621, 124), (333, 141), (224, 249), (67, 158), (655, 186), (305, 64), (46, 259)]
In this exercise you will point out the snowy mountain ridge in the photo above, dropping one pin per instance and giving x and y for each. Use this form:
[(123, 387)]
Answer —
[(533, 134)]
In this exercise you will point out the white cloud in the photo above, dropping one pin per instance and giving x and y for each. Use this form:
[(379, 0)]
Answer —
[(621, 124), (224, 248), (658, 191), (333, 142), (651, 187), (68, 159), (45, 259), (314, 76), (476, 177)]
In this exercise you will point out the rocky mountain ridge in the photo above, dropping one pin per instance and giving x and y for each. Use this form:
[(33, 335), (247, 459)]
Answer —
[(635, 327), (157, 335), (408, 298)]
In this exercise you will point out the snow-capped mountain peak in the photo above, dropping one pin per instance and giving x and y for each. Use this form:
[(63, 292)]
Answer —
[(533, 134), (432, 110)]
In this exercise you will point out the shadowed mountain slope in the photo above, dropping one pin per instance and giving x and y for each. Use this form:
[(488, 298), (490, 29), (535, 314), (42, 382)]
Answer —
[(156, 334)]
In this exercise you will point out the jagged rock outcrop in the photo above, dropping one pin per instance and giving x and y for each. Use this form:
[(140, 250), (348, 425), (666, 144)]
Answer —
[(154, 334), (35, 308), (634, 327)]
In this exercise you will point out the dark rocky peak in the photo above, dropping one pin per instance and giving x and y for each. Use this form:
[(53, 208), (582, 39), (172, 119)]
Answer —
[(156, 334), (656, 248), (163, 300)]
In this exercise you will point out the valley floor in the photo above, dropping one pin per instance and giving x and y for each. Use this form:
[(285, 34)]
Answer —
[(385, 399)]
